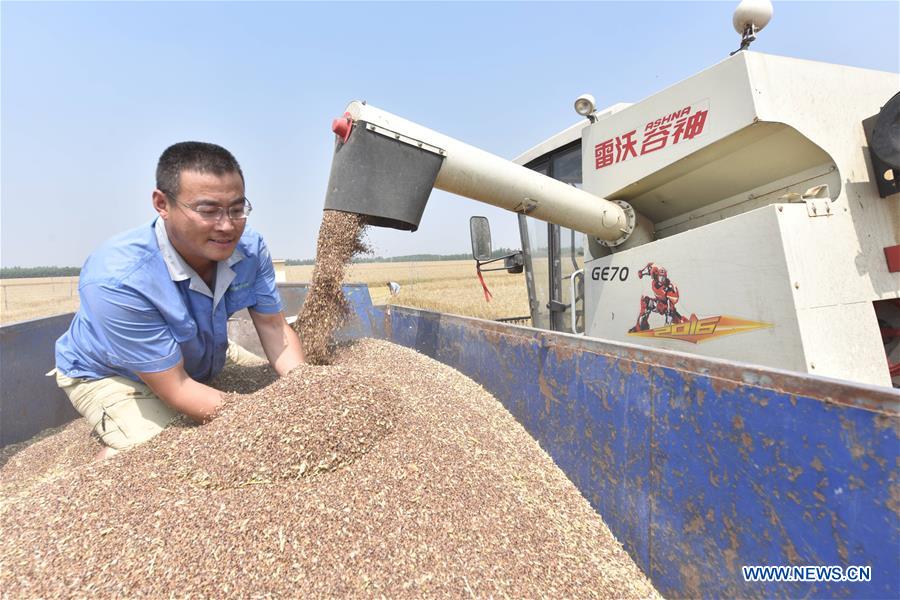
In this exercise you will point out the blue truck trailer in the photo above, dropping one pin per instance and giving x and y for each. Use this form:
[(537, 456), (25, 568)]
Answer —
[(700, 467)]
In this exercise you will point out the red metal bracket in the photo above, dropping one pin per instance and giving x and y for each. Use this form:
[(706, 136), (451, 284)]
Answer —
[(342, 126), (892, 255)]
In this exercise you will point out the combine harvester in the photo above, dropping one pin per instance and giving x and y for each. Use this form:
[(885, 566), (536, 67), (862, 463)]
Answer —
[(715, 374)]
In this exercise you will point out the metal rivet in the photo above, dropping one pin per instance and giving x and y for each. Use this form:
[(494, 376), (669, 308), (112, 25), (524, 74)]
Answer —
[(797, 285)]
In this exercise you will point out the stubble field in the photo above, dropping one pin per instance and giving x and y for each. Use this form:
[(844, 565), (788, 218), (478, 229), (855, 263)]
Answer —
[(444, 286), (32, 298)]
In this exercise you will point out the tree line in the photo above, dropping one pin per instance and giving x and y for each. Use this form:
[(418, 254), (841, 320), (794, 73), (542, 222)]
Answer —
[(54, 271), (497, 253)]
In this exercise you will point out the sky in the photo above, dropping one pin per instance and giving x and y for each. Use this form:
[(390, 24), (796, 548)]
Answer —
[(92, 93)]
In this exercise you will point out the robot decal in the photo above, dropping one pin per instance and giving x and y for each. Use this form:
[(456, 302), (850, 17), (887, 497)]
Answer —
[(665, 297), (677, 327)]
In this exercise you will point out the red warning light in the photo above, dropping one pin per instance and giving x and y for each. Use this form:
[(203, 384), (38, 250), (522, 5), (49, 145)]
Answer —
[(342, 126)]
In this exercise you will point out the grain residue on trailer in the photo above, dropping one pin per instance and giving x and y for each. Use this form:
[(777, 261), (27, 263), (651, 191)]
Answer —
[(793, 472), (893, 500), (730, 554), (723, 386), (854, 445), (690, 580), (547, 392)]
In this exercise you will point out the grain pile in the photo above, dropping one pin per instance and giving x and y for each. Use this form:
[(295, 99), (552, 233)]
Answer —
[(417, 482), (312, 422), (325, 309), (49, 455)]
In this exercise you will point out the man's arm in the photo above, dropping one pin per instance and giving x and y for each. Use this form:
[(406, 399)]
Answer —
[(279, 341), (176, 388)]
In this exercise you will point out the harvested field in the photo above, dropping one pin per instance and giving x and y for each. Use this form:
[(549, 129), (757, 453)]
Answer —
[(449, 286), (36, 297), (417, 482), (446, 286)]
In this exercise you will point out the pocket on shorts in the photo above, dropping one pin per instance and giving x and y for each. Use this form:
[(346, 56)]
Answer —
[(133, 420)]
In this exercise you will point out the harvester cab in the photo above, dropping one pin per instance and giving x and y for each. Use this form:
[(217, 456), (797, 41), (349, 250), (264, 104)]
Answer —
[(751, 184), (769, 209)]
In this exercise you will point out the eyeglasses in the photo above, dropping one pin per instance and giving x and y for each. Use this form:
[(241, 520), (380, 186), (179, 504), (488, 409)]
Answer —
[(213, 212)]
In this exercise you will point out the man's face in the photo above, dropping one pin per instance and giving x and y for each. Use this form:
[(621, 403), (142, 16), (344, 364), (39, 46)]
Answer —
[(199, 241)]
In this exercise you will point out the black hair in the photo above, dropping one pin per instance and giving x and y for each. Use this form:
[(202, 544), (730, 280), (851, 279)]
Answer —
[(192, 156)]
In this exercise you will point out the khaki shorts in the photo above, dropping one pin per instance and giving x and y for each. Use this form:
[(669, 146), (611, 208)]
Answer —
[(124, 413)]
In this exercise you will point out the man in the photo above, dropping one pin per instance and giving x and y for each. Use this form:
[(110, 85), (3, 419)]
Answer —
[(155, 301)]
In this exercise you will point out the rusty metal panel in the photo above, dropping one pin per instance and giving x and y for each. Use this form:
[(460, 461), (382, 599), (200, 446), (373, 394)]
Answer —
[(292, 295), (755, 476), (29, 401), (363, 321), (240, 327), (698, 466), (613, 419)]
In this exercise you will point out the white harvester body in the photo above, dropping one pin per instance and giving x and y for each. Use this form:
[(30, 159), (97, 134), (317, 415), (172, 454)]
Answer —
[(764, 212), (732, 215)]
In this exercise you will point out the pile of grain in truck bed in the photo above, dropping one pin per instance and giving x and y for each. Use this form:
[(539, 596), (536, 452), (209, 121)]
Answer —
[(56, 451), (417, 482), (341, 237), (49, 455)]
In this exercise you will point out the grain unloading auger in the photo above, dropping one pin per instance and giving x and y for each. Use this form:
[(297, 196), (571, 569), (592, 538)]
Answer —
[(385, 167), (739, 214)]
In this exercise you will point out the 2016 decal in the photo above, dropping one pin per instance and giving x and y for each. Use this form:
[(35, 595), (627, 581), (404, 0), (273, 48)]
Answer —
[(696, 330), (677, 327)]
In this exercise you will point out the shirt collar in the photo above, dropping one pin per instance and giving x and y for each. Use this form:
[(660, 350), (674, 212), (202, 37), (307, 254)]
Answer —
[(179, 270)]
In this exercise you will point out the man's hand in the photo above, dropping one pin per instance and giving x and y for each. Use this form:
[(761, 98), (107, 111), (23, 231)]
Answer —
[(279, 341), (176, 388)]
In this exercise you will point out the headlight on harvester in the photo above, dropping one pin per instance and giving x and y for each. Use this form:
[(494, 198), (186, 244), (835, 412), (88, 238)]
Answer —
[(585, 105)]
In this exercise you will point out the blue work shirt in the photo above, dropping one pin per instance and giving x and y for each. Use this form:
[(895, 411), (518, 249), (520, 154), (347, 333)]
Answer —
[(144, 309)]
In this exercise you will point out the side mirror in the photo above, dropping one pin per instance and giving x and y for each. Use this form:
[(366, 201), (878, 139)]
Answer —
[(480, 230)]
